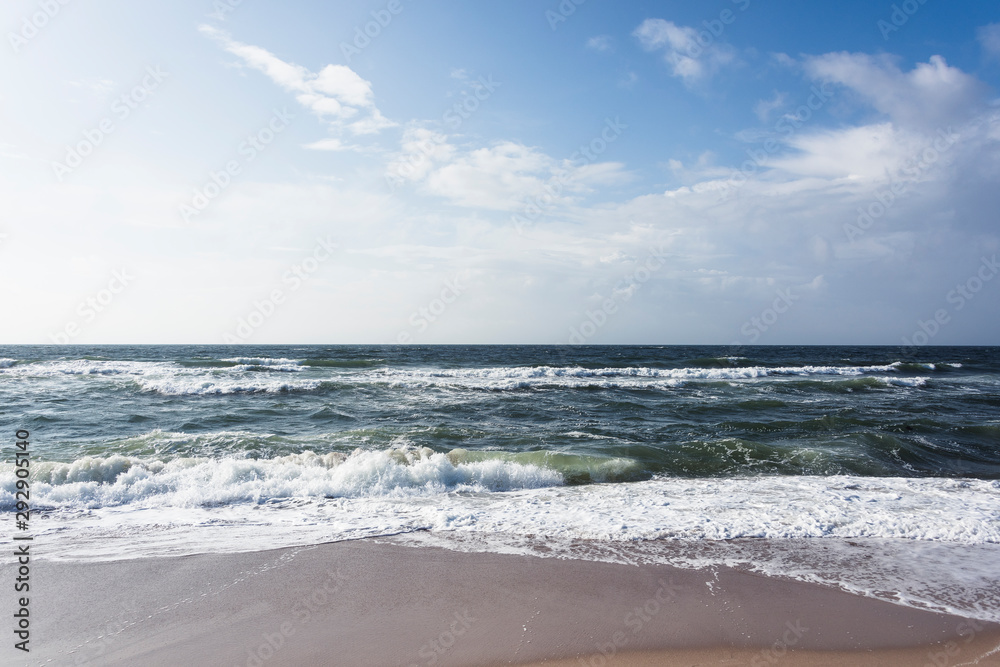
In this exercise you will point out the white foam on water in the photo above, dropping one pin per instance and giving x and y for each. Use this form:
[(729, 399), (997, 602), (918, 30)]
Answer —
[(193, 384), (268, 375), (905, 382), (174, 380), (100, 482), (397, 490), (264, 361), (267, 364), (931, 543), (527, 377), (535, 372), (947, 577), (87, 367)]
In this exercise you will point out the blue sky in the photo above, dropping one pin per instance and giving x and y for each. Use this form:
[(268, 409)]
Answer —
[(729, 172)]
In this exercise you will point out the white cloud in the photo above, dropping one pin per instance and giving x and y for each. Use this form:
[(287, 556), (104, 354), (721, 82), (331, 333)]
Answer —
[(688, 59), (989, 39), (342, 83), (331, 144), (931, 95), (865, 152), (600, 43), (96, 85), (764, 108), (498, 177), (373, 123), (336, 93), (505, 176), (787, 224), (783, 59), (421, 149)]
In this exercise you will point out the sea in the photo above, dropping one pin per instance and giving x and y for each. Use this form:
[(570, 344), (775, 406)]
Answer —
[(872, 469)]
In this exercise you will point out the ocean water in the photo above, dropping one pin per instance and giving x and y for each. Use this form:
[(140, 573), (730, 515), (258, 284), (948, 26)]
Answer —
[(874, 469)]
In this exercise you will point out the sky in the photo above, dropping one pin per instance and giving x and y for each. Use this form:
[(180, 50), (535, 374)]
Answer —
[(728, 172)]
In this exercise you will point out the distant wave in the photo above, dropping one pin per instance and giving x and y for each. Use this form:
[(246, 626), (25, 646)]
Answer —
[(194, 385), (527, 377), (905, 382), (750, 372), (919, 367), (343, 363), (267, 364), (264, 361), (86, 367), (239, 375)]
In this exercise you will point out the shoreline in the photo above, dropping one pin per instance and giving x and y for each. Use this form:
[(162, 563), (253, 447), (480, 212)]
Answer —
[(375, 602), (978, 652)]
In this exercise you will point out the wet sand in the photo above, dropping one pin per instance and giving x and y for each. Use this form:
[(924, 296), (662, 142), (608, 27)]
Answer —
[(377, 603)]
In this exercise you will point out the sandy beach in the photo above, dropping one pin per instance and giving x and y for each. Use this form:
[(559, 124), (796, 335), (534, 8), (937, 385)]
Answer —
[(378, 603), (405, 333)]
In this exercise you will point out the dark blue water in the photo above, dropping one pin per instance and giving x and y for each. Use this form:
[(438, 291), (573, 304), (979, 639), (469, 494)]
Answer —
[(667, 411)]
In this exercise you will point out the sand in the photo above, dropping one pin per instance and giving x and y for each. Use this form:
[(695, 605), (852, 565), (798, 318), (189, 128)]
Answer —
[(378, 603)]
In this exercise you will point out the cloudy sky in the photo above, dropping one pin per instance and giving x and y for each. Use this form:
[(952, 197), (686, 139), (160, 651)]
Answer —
[(515, 171)]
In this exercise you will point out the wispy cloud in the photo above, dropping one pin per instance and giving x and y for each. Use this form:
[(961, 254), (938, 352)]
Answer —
[(97, 85), (764, 108), (332, 144), (688, 59), (336, 93), (600, 43), (989, 39), (499, 177)]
